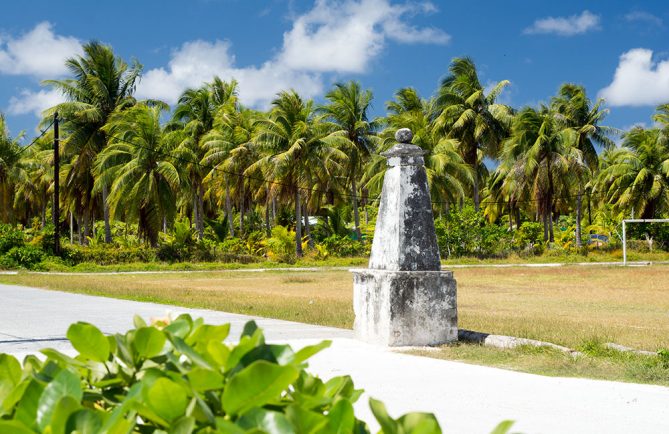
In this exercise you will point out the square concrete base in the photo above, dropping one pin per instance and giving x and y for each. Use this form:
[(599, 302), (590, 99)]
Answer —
[(405, 308)]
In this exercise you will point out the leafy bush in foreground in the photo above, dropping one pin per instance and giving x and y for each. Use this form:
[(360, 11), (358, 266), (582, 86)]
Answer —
[(179, 377)]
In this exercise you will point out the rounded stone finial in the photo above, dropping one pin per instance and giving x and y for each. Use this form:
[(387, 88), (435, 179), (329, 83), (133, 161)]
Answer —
[(403, 135)]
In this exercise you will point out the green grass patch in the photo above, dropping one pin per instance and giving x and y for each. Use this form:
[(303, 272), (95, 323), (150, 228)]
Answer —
[(596, 362)]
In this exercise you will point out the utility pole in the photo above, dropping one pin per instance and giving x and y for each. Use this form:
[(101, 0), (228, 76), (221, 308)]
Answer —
[(56, 186)]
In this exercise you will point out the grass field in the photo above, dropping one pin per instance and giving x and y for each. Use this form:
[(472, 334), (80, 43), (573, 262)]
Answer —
[(577, 306)]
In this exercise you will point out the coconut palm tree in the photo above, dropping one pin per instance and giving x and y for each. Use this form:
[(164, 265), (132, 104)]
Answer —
[(298, 150), (347, 109), (10, 158), (475, 119), (193, 119), (230, 151), (635, 177), (576, 111), (34, 179), (103, 83), (543, 154), (142, 179)]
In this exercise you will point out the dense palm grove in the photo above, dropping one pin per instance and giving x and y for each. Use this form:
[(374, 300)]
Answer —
[(211, 177)]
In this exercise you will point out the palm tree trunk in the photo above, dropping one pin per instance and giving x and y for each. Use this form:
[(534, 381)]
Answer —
[(200, 211), (476, 192), (578, 217), (517, 217), (268, 201), (87, 227), (228, 208), (545, 219), (298, 224), (274, 210), (241, 210), (510, 217), (307, 229), (365, 198), (550, 220), (105, 212), (356, 212), (71, 228)]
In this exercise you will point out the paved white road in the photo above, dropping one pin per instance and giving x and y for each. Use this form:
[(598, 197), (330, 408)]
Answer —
[(465, 398)]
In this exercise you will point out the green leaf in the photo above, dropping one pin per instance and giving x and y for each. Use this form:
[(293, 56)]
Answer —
[(63, 359), (205, 379), (206, 333), (305, 421), (419, 423), (178, 327), (85, 421), (271, 422), (167, 398), (226, 427), (189, 352), (219, 352), (340, 418), (185, 425), (138, 321), (249, 328), (14, 397), (89, 341), (388, 424), (64, 384), (26, 410), (14, 427), (64, 408), (10, 375), (256, 385), (149, 342), (503, 427), (246, 344), (309, 351)]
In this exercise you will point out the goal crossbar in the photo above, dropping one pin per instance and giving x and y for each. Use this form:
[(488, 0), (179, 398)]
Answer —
[(636, 221)]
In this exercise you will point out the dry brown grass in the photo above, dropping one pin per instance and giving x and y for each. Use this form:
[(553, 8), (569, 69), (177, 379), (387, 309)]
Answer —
[(566, 305)]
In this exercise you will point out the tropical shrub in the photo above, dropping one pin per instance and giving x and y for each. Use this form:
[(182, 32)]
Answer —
[(466, 232), (24, 257), (110, 255), (10, 237), (180, 377), (338, 245), (529, 238), (280, 246)]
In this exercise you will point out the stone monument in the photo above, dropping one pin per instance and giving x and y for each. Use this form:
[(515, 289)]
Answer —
[(403, 298)]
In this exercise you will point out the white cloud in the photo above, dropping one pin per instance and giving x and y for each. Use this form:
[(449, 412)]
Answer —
[(345, 36), (197, 62), (565, 26), (332, 37), (34, 102), (40, 52), (643, 17), (638, 80)]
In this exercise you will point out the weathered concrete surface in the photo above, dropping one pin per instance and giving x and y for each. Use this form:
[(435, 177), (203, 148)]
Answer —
[(465, 398), (403, 299), (404, 308)]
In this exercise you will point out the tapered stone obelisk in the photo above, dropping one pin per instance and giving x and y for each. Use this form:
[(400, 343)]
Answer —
[(403, 298)]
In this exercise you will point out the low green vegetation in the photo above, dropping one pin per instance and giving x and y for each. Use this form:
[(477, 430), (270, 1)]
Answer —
[(181, 377), (595, 361)]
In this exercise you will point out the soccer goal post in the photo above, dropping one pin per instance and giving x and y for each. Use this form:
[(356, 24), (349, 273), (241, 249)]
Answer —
[(636, 221)]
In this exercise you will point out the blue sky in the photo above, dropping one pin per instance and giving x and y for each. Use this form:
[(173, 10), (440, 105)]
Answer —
[(617, 49)]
